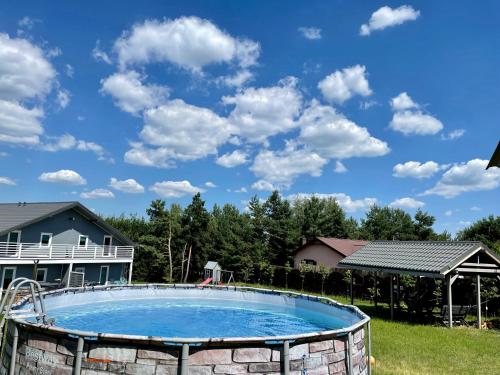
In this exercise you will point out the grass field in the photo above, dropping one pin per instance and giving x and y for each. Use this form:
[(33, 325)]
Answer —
[(402, 348)]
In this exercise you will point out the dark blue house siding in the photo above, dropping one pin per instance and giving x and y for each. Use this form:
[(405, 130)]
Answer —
[(57, 271), (65, 227)]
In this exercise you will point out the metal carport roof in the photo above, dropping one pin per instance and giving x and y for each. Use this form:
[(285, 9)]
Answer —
[(426, 258)]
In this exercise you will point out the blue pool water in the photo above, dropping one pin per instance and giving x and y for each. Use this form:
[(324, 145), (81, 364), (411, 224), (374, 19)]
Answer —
[(181, 317)]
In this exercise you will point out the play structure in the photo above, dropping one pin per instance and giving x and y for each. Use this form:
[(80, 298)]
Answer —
[(215, 275)]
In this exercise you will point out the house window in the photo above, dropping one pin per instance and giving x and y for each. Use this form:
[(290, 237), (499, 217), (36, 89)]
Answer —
[(310, 262), (82, 240), (45, 239), (107, 241), (14, 236), (8, 274), (41, 274)]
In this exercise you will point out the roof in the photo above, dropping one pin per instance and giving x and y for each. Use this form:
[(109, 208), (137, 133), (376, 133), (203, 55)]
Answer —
[(19, 215), (211, 265), (342, 246), (424, 257), (495, 158)]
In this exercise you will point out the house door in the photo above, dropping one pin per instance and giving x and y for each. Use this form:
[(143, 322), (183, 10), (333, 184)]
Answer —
[(107, 242), (103, 275), (9, 274)]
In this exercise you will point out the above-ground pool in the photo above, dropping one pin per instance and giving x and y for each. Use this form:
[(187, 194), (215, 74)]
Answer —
[(195, 313), (166, 329)]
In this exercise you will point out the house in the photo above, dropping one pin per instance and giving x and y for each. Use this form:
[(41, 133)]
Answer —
[(61, 244), (326, 251)]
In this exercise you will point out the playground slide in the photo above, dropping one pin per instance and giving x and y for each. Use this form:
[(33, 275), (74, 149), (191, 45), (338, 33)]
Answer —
[(205, 282)]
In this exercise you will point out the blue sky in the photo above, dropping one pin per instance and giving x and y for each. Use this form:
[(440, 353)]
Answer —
[(392, 103)]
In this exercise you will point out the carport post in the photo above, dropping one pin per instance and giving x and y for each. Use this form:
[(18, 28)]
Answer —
[(351, 288), (478, 296), (450, 302), (392, 296), (449, 280)]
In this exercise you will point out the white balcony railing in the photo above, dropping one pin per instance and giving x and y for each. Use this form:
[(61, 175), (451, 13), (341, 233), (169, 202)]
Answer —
[(9, 250)]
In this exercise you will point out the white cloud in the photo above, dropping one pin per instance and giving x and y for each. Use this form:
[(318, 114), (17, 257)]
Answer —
[(63, 98), (312, 33), (466, 177), (19, 125), (263, 112), (263, 185), (97, 194), (178, 131), (189, 42), (415, 122), (387, 17), (3, 154), (127, 186), (131, 94), (236, 80), (7, 181), (464, 223), (64, 142), (27, 22), (232, 159), (25, 73), (448, 213), (210, 184), (344, 200), (69, 70), (241, 190), (475, 208), (454, 134), (339, 167), (332, 135), (281, 168), (409, 119), (416, 169), (406, 203), (367, 104), (402, 102), (344, 84), (68, 142), (175, 189), (99, 55), (63, 176)]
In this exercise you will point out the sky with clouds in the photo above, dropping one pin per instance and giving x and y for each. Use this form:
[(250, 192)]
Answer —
[(374, 102)]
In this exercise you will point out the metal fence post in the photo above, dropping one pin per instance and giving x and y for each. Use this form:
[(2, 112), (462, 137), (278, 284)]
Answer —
[(78, 358), (369, 351), (286, 357), (184, 359), (13, 355), (349, 354)]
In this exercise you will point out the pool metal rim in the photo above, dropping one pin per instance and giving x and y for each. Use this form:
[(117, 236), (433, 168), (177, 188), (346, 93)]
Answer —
[(304, 337)]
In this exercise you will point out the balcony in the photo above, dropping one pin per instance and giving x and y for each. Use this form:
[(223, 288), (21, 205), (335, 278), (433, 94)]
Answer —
[(63, 252)]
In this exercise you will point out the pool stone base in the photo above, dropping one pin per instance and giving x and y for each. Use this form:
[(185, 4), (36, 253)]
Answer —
[(48, 352)]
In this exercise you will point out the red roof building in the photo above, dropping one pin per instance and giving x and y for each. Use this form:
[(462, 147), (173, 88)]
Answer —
[(326, 250)]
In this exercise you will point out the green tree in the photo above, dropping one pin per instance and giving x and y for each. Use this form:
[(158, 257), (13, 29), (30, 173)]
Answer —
[(279, 228), (386, 223), (195, 219), (423, 226), (486, 230)]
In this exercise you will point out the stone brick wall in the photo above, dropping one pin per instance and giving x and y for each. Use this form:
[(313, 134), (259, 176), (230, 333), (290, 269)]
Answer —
[(49, 353)]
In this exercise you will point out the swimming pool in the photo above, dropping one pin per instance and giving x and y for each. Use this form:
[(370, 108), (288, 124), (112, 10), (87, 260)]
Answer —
[(164, 329)]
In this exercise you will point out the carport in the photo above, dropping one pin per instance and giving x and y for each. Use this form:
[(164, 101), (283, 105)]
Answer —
[(435, 259)]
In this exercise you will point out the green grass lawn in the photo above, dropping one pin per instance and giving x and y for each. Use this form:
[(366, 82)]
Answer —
[(403, 348)]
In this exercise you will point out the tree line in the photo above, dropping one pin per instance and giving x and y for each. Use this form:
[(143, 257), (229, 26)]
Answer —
[(176, 242)]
